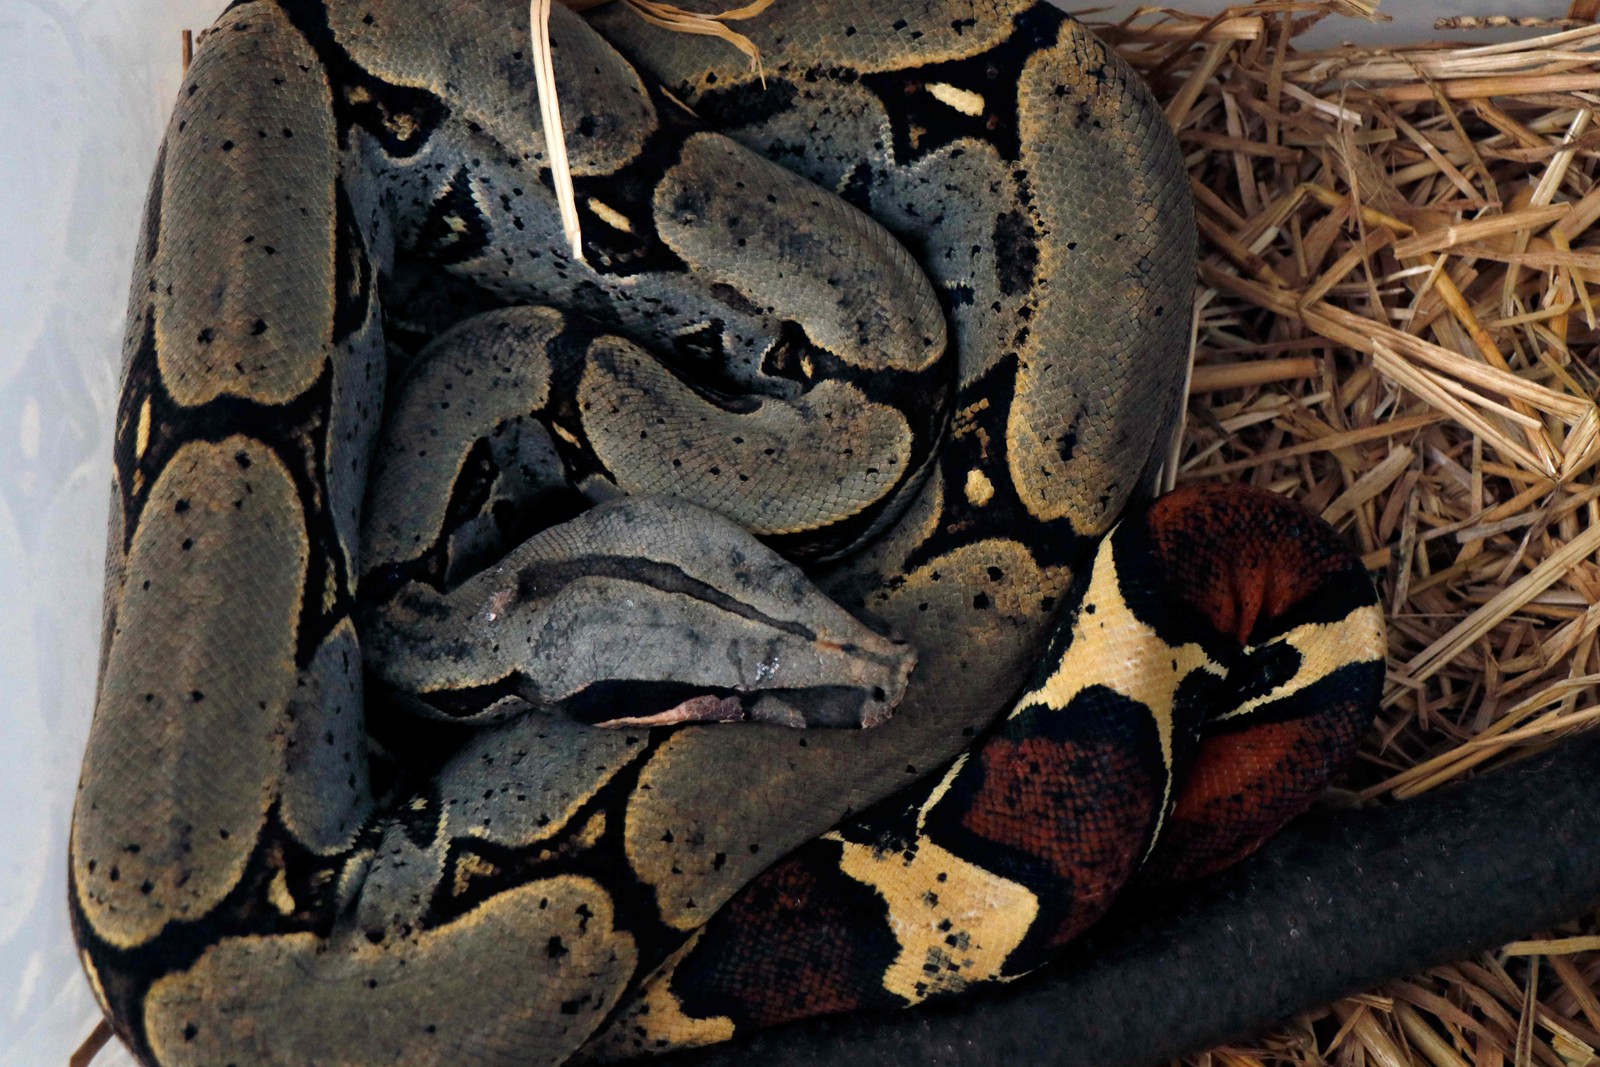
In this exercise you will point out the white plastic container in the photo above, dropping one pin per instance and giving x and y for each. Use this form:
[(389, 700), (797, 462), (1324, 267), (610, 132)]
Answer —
[(85, 86)]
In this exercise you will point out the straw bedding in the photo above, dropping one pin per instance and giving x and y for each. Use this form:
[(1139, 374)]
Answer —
[(1397, 327)]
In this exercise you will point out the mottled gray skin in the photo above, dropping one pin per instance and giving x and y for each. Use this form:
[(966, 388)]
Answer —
[(238, 892), (1098, 338), (644, 589)]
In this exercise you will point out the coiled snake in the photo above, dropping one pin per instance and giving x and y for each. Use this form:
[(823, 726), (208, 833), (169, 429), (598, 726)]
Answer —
[(344, 800)]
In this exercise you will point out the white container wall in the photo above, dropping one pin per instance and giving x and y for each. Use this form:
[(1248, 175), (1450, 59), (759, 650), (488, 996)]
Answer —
[(84, 90), (85, 86)]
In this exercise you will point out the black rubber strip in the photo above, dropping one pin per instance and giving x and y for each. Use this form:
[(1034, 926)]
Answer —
[(1338, 903)]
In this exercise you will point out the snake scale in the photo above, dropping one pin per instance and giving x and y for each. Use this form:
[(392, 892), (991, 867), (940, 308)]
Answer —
[(404, 509)]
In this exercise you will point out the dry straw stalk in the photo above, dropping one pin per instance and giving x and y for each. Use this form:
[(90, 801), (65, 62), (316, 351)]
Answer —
[(1397, 328)]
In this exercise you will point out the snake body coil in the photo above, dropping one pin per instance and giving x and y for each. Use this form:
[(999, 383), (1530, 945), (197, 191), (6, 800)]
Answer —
[(940, 413)]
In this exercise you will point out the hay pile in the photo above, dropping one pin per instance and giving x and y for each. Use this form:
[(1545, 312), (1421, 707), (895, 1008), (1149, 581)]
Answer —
[(1397, 327)]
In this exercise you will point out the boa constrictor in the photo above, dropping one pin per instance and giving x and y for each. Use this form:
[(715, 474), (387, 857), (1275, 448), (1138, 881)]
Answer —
[(344, 801)]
